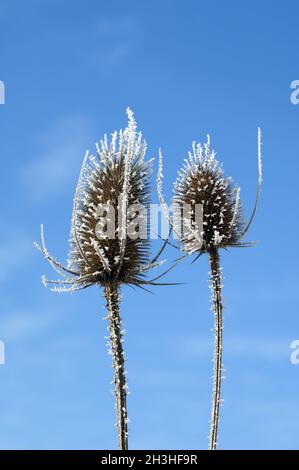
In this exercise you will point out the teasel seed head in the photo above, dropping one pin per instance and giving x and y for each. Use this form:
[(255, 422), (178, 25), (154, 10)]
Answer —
[(117, 177), (201, 183)]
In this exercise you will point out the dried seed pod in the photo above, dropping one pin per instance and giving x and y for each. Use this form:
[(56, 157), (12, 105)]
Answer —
[(115, 179), (113, 186), (202, 183)]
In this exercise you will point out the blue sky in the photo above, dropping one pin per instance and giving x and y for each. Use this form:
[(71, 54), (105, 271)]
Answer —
[(187, 69)]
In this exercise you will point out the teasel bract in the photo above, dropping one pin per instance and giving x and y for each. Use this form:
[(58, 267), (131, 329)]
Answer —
[(207, 216), (114, 180)]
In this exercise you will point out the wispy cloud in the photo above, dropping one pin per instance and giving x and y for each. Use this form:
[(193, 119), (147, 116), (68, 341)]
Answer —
[(117, 26), (165, 378), (13, 254), (60, 152), (23, 325), (265, 348), (114, 40), (109, 57), (269, 423)]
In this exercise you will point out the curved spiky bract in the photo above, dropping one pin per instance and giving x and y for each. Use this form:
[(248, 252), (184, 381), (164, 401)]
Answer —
[(202, 183), (260, 179)]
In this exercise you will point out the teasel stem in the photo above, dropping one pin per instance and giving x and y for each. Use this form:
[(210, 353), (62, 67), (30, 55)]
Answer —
[(112, 294), (216, 288)]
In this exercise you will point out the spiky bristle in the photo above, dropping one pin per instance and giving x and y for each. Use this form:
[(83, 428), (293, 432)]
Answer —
[(201, 183)]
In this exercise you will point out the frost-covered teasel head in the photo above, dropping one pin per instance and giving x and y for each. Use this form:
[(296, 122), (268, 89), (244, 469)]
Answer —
[(207, 203), (111, 183), (207, 216)]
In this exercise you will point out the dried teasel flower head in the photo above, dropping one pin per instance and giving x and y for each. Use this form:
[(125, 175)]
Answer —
[(208, 203), (207, 216), (113, 187)]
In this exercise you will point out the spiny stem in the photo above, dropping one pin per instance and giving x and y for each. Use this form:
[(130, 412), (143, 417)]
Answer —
[(217, 304), (112, 295)]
